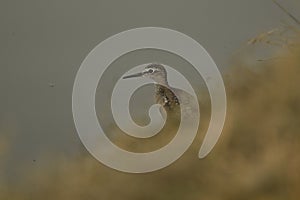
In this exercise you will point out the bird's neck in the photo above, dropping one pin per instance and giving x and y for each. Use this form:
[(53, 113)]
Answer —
[(160, 86), (162, 83), (161, 80)]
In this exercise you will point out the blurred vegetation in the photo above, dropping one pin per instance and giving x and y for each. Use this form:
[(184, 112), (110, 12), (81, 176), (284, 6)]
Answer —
[(255, 158)]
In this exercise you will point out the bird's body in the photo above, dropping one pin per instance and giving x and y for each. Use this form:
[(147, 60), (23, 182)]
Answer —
[(166, 97)]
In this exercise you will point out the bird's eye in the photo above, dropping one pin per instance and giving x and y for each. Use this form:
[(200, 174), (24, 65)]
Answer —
[(150, 70)]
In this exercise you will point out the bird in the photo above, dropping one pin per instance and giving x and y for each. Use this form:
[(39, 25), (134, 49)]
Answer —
[(169, 98)]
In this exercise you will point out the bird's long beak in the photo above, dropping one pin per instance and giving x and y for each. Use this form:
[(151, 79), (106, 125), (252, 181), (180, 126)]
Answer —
[(134, 75)]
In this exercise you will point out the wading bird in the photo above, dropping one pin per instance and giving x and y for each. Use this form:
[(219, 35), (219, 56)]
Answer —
[(170, 98)]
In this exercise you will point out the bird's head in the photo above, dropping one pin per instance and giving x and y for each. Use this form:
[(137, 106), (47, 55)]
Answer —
[(156, 72)]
